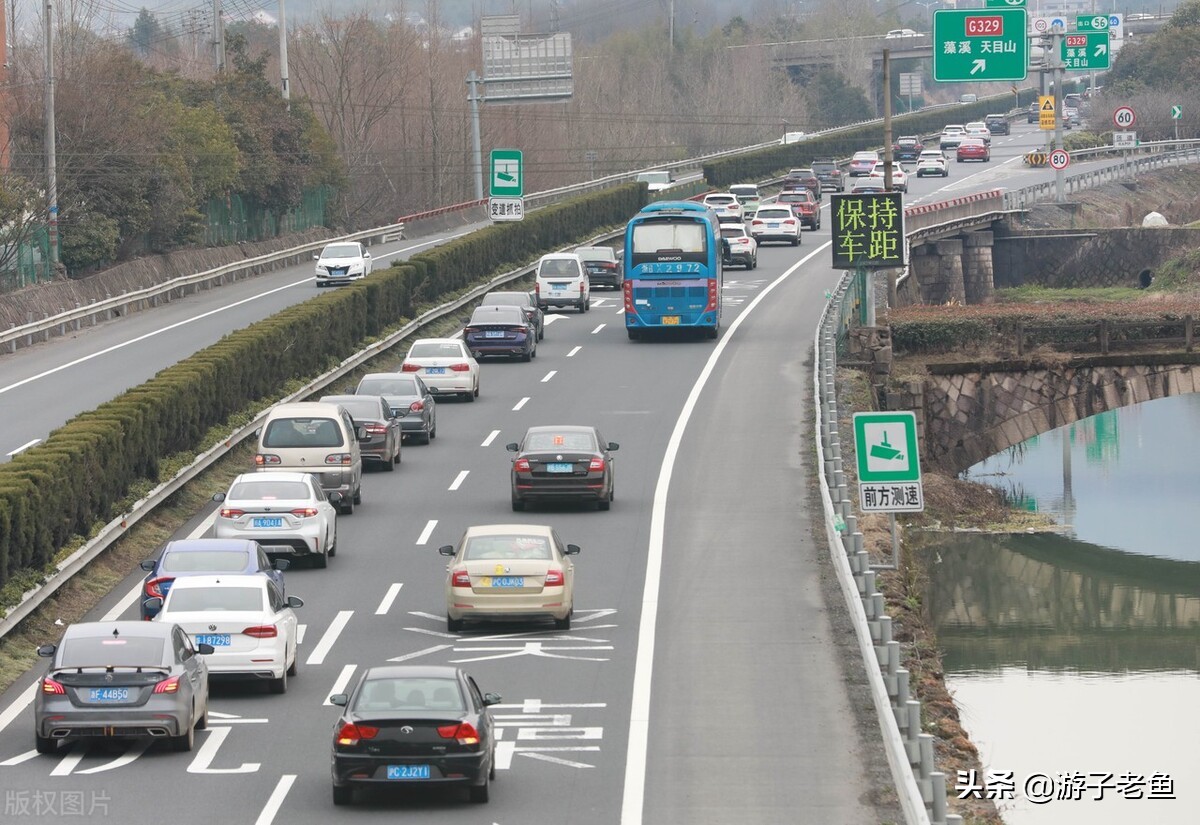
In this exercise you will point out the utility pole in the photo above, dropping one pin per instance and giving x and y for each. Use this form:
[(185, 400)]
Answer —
[(1056, 39), (671, 30), (51, 167), (888, 161), (218, 38), (473, 80), (283, 60)]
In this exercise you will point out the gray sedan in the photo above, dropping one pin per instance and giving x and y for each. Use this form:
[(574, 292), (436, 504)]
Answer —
[(410, 400), (122, 679)]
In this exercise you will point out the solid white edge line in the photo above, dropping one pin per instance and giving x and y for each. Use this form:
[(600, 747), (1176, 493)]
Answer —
[(520, 403), (423, 243), (487, 442), (24, 447), (633, 799), (388, 598), (549, 375), (331, 633), (275, 800), (569, 355), (339, 684), (427, 531), (458, 480)]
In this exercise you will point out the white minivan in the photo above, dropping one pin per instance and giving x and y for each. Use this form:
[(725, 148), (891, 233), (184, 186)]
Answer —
[(317, 438), (562, 281)]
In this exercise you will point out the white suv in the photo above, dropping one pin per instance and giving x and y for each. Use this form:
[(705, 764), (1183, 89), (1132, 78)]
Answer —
[(725, 203), (932, 162), (562, 281)]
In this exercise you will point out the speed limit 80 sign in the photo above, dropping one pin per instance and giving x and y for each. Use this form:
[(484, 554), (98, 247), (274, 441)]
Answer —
[(1124, 117)]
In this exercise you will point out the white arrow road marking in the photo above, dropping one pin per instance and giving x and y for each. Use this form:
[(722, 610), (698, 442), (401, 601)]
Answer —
[(389, 597), (17, 760), (487, 442), (208, 752), (339, 684), (569, 354), (420, 653), (529, 649), (335, 627), (136, 750), (67, 763), (275, 800), (428, 531), (550, 319), (520, 404)]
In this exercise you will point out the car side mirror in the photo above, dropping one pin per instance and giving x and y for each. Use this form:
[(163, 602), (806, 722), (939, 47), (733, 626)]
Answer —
[(281, 564), (335, 497), (366, 254), (46, 651), (153, 603), (446, 550), (295, 601), (204, 650), (339, 699), (147, 565), (218, 497), (492, 698), (613, 446), (316, 256), (512, 447), (573, 549)]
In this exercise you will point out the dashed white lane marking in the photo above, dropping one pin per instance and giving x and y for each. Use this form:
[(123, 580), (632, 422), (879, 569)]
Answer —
[(301, 629), (487, 442), (24, 447), (521, 403), (550, 319), (427, 531), (597, 329), (339, 684), (388, 598), (275, 800), (323, 647), (459, 479), (549, 375), (569, 354)]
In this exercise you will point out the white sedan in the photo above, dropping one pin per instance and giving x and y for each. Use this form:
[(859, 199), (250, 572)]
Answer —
[(445, 365), (899, 176), (286, 513), (342, 262), (248, 621)]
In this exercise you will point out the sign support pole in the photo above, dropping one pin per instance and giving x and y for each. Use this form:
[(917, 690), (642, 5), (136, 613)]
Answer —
[(476, 150), (1056, 39)]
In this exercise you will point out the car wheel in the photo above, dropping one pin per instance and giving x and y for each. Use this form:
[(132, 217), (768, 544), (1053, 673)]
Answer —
[(518, 505), (399, 448), (632, 333), (343, 794), (358, 494), (202, 722), (603, 504), (492, 769), (480, 793), (542, 334), (433, 429), (184, 742), (346, 508), (527, 356), (291, 671), (454, 625), (278, 685), (44, 744), (564, 623), (796, 241), (320, 560)]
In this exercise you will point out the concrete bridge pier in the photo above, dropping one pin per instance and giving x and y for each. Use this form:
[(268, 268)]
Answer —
[(938, 268), (978, 281)]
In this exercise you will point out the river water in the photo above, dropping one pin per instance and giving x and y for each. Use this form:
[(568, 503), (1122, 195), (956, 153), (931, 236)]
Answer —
[(1075, 656)]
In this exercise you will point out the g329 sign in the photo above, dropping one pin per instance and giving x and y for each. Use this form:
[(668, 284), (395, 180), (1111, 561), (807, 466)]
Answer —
[(868, 230), (985, 26)]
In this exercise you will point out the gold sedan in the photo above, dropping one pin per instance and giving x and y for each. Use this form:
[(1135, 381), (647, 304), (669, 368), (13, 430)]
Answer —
[(509, 572)]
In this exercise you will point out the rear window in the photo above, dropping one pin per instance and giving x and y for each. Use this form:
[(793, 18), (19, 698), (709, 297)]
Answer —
[(720, 199), (505, 299), (213, 561), (363, 408), (560, 441), (266, 490), (117, 651), (434, 349), (732, 230), (773, 214), (507, 547), (745, 191), (596, 253), (826, 166), (498, 315), (400, 385), (410, 693), (865, 156), (302, 432), (558, 267), (188, 599)]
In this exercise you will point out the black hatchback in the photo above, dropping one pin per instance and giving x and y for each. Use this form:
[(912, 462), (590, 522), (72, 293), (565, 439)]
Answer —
[(414, 725)]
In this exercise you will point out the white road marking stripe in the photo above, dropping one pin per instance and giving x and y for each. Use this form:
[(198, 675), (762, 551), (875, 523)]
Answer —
[(550, 319), (68, 762), (388, 598), (301, 629), (423, 243), (633, 800), (557, 761), (549, 375), (24, 447), (427, 532), (131, 755), (335, 627), (275, 800), (433, 616), (521, 404), (17, 760), (420, 653), (237, 721), (208, 751), (339, 684), (459, 479), (597, 329), (152, 334), (572, 352), (621, 310), (487, 442), (213, 714)]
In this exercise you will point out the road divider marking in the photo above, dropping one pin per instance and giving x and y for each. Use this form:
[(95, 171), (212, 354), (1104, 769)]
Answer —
[(459, 479), (423, 243), (419, 653), (573, 351), (520, 404), (331, 633), (550, 319), (427, 532), (339, 684), (487, 442), (275, 800), (388, 598), (208, 752), (621, 310), (17, 760), (301, 629), (549, 375), (24, 447), (68, 763), (597, 329), (130, 756)]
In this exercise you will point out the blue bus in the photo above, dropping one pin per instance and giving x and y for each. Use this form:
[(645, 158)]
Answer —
[(673, 269)]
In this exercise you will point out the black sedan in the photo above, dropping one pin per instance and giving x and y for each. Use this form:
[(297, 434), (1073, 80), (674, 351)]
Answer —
[(411, 402), (406, 724), (525, 300), (121, 680), (562, 462), (378, 428), (500, 331)]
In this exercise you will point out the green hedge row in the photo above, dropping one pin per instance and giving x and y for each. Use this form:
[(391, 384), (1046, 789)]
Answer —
[(79, 475)]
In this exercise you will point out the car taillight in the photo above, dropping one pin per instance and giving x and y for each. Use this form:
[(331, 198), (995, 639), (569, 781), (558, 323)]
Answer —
[(521, 465), (629, 298), (464, 732), (743, 240), (537, 289), (339, 458), (460, 578), (168, 685), (49, 686), (350, 734), (756, 223), (554, 578), (597, 464), (460, 367), (266, 460), (376, 429), (789, 222), (262, 631), (154, 587), (230, 512), (410, 367), (469, 331), (416, 406), (305, 512)]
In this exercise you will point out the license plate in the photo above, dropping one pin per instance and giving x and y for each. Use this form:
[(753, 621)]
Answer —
[(266, 522), (214, 639), (108, 695), (558, 287), (773, 225), (503, 581), (407, 771), (435, 370), (560, 467), (494, 333), (670, 320)]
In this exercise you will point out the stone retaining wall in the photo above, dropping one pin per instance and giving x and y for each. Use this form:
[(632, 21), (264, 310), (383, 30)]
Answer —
[(1085, 258)]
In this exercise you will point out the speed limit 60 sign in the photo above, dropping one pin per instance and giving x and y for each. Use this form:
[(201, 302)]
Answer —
[(1059, 159), (1124, 117)]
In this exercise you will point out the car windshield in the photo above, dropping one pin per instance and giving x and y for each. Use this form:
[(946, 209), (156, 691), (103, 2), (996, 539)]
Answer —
[(212, 561), (654, 177), (410, 693), (341, 250), (558, 266), (400, 385), (190, 599), (302, 432), (507, 547), (268, 490), (653, 237), (362, 408), (112, 651), (434, 349)]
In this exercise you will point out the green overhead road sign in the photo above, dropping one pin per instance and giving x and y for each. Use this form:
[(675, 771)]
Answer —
[(1091, 23), (1085, 52), (1004, 4), (889, 466), (508, 174), (980, 44)]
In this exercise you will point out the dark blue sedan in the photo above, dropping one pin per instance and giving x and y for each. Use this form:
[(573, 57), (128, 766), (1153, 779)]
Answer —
[(204, 557), (500, 330)]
